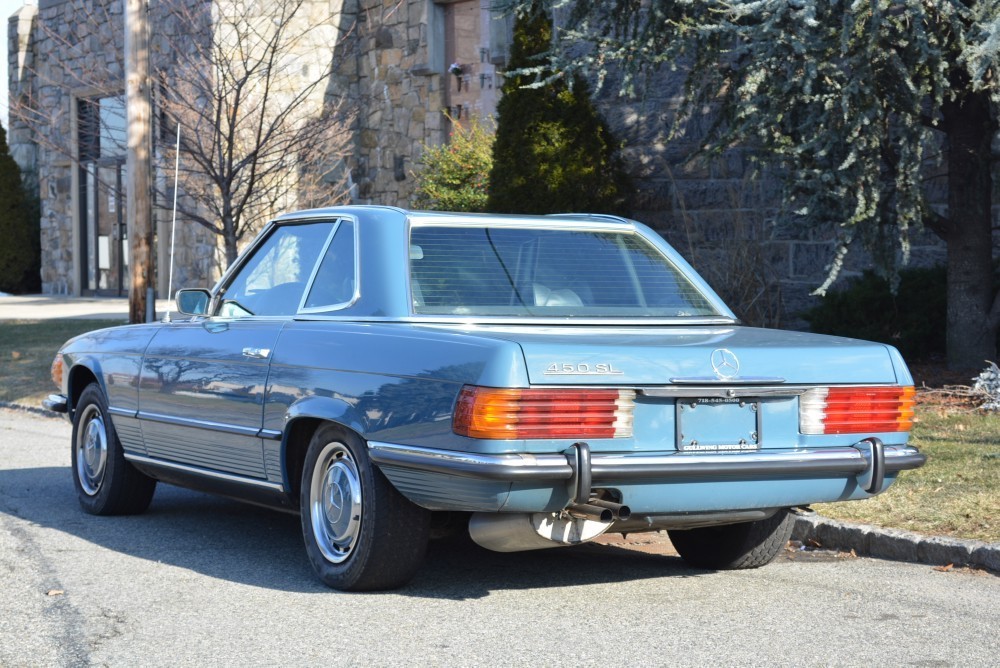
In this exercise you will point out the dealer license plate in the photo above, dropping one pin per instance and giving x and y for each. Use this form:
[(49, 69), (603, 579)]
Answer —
[(717, 424)]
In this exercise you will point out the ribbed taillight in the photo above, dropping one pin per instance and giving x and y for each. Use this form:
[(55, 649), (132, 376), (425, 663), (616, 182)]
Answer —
[(856, 410), (503, 414)]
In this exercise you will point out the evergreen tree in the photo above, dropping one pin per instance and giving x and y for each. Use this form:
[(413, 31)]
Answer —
[(849, 100), (553, 153), (20, 242), (455, 175)]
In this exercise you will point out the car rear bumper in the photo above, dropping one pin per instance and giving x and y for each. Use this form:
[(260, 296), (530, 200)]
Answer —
[(868, 460)]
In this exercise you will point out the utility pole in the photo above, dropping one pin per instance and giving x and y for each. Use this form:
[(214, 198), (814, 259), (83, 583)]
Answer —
[(138, 161)]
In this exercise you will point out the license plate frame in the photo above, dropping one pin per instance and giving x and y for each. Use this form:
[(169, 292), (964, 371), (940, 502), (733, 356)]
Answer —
[(718, 424)]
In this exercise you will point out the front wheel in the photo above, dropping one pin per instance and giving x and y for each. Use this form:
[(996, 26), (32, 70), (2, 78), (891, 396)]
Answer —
[(735, 546), (106, 484), (360, 533)]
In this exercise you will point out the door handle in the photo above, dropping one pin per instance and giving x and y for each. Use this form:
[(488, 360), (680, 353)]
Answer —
[(257, 353)]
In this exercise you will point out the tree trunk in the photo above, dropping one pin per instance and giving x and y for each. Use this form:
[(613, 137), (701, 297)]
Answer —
[(971, 336), (229, 239), (231, 253)]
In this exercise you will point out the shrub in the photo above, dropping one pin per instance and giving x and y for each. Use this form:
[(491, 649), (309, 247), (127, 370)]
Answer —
[(20, 240), (455, 175), (913, 319), (553, 151)]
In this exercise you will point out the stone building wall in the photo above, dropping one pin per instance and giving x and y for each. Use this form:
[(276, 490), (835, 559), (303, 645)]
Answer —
[(394, 69), (404, 91), (63, 54)]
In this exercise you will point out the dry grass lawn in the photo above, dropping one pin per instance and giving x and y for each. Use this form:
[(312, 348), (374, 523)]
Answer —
[(27, 348)]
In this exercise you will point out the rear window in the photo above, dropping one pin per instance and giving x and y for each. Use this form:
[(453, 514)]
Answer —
[(523, 271)]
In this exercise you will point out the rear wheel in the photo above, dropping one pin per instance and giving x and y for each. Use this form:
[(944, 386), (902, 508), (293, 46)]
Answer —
[(735, 546), (360, 533), (105, 483)]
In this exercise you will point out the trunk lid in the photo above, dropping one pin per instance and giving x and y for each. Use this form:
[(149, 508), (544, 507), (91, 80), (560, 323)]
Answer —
[(644, 356)]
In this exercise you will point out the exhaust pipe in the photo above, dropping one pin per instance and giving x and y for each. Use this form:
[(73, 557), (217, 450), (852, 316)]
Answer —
[(620, 512), (590, 511)]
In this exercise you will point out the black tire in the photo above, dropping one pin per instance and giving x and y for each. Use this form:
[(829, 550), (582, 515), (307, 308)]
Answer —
[(735, 546), (367, 536), (105, 483)]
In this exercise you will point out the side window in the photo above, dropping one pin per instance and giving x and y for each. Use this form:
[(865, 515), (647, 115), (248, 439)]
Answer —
[(335, 282), (273, 281)]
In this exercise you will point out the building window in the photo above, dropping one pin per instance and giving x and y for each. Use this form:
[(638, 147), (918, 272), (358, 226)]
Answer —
[(103, 128), (102, 136)]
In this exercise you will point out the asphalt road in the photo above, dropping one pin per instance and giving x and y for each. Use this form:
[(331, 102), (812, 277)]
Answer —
[(200, 581)]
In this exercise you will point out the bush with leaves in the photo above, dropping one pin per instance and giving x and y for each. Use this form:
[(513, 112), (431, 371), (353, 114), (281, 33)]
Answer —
[(456, 174), (912, 320), (20, 248), (553, 151)]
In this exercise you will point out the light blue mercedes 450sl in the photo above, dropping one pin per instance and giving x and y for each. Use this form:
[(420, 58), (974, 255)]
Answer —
[(545, 379)]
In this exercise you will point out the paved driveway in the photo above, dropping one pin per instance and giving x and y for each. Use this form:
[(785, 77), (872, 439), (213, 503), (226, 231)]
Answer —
[(200, 580)]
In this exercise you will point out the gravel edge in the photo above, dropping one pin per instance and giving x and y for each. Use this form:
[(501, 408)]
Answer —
[(35, 410), (895, 544)]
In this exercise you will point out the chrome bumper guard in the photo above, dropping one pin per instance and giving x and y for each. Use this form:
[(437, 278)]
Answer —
[(868, 459), (57, 403)]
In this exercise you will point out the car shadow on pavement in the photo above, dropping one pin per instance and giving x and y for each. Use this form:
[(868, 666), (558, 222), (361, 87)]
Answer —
[(240, 543)]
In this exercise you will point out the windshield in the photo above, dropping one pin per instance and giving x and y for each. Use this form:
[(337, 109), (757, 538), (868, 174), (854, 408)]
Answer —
[(524, 271)]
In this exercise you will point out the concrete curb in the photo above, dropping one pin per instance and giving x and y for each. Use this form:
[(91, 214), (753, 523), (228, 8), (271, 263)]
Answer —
[(871, 541)]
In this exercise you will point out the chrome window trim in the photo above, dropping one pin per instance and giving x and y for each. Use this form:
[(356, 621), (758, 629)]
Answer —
[(580, 224), (316, 265), (218, 290), (356, 232), (199, 424), (528, 222), (524, 320)]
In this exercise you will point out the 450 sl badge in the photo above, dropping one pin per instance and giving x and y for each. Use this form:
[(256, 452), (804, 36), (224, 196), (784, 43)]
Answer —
[(582, 369)]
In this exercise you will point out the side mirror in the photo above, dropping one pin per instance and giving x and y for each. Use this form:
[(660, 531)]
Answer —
[(193, 301)]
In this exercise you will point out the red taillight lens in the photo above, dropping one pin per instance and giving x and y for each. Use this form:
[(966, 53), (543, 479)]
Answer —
[(494, 413), (856, 410)]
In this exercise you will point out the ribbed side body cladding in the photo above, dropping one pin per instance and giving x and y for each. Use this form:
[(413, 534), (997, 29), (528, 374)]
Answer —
[(207, 449), (272, 462), (447, 492), (130, 433)]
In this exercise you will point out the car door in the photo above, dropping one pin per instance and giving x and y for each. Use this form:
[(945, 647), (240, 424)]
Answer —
[(201, 386)]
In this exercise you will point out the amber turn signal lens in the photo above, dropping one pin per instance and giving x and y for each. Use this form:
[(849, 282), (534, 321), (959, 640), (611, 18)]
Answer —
[(56, 370), (503, 414), (857, 410)]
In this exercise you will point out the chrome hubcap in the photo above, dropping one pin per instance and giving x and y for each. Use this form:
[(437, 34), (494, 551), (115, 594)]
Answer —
[(92, 450), (335, 502)]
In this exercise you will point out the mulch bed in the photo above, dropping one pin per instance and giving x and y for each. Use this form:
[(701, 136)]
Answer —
[(940, 386)]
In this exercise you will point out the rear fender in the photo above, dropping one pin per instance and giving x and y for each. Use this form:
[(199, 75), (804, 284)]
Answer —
[(301, 419)]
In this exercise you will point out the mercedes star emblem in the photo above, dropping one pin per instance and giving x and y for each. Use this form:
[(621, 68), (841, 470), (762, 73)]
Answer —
[(725, 363)]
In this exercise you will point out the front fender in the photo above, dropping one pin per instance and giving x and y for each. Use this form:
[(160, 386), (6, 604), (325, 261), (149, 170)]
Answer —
[(82, 371)]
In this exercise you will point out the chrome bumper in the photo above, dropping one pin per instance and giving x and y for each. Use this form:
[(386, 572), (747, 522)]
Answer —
[(57, 403), (868, 459)]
